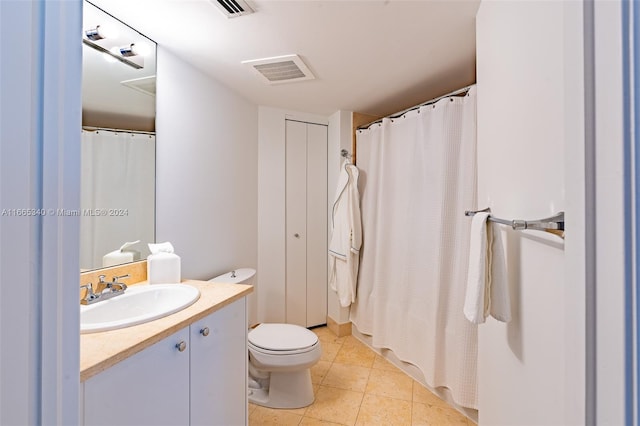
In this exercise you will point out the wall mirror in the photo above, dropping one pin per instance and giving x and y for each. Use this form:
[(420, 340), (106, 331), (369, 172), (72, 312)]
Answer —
[(117, 200)]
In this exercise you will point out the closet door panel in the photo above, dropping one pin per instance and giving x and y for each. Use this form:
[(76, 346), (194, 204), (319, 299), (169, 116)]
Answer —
[(316, 225), (296, 223)]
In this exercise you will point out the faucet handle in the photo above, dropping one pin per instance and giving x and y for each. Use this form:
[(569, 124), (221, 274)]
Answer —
[(89, 288), (90, 297), (115, 279), (101, 278)]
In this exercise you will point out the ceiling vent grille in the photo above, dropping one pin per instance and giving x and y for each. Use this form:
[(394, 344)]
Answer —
[(146, 85), (281, 69), (233, 8)]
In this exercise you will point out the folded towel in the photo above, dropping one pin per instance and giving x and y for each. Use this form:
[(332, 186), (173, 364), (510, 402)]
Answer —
[(487, 286)]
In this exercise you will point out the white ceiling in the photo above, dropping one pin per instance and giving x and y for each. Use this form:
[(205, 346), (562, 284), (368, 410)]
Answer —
[(369, 56)]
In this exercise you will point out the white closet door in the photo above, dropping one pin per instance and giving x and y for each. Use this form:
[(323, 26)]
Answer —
[(306, 223), (316, 224), (296, 223)]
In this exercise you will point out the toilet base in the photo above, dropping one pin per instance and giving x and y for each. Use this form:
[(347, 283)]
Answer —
[(292, 389)]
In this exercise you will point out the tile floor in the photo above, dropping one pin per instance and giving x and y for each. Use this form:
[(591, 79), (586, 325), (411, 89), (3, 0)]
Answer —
[(355, 386)]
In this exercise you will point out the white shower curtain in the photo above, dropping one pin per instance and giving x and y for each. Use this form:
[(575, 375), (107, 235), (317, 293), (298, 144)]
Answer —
[(418, 175), (118, 188)]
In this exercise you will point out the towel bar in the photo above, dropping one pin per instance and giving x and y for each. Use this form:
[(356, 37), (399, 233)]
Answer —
[(553, 224)]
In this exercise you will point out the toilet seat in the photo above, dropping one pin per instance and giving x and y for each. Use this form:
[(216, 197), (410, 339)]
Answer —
[(258, 349), (282, 339)]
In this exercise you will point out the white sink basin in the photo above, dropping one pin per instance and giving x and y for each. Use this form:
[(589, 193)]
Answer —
[(137, 305)]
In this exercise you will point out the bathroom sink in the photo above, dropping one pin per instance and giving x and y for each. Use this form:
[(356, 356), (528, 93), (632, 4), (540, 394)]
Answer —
[(137, 305)]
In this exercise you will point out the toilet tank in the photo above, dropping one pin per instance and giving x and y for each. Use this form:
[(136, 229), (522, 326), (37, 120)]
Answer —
[(243, 276), (237, 276)]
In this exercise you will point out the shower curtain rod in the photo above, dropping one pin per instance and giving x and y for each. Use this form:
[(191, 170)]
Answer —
[(462, 91), (136, 132)]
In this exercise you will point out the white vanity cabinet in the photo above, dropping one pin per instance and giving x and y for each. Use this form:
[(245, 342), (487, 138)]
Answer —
[(205, 383), (148, 388), (219, 367)]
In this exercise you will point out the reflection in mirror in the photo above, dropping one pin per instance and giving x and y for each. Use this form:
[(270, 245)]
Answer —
[(118, 142)]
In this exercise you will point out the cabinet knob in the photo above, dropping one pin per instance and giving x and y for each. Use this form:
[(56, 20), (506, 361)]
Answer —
[(204, 331), (181, 346), (296, 235)]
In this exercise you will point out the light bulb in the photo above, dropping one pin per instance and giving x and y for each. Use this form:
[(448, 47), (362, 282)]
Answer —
[(141, 48)]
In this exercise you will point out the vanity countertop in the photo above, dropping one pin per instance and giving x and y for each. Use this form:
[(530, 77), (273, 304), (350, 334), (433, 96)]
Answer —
[(99, 351)]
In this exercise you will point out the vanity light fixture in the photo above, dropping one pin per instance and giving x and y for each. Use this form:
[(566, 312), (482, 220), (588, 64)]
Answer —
[(101, 32), (95, 34), (135, 49), (128, 51), (128, 57)]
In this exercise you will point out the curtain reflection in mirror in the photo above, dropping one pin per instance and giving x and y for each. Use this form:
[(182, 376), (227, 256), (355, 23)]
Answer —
[(118, 196)]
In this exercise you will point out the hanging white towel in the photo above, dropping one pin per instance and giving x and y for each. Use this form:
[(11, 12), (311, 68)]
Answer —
[(346, 236), (487, 285)]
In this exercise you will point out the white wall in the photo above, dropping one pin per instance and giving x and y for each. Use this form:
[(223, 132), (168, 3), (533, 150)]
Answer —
[(207, 162), (531, 370), (40, 111), (271, 209), (609, 213), (340, 137)]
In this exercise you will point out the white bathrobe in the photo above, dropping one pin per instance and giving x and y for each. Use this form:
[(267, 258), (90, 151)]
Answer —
[(346, 236)]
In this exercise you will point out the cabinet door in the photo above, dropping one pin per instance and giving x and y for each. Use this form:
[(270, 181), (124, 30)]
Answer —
[(148, 388), (219, 367)]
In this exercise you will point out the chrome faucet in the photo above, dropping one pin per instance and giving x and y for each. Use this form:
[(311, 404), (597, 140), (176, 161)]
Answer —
[(112, 289), (114, 286), (90, 297)]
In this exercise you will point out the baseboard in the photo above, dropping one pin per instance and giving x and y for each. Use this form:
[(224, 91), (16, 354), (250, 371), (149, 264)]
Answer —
[(339, 330)]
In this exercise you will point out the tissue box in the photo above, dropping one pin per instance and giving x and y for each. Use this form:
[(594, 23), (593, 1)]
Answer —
[(163, 268)]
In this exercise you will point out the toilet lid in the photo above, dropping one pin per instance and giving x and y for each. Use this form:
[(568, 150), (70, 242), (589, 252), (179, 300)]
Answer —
[(282, 337)]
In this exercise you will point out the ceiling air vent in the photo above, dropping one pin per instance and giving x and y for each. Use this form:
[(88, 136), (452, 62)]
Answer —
[(232, 8), (146, 85), (281, 69)]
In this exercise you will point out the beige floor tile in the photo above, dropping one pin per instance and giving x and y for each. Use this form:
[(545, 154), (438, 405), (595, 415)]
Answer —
[(329, 351), (433, 415), (381, 410), (319, 370), (326, 335), (425, 396), (391, 384), (382, 364), (308, 421), (352, 341), (251, 408), (354, 385), (355, 354), (350, 377), (269, 416), (335, 405)]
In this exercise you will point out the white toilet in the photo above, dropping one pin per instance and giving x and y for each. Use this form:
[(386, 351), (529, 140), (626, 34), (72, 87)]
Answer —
[(280, 358)]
